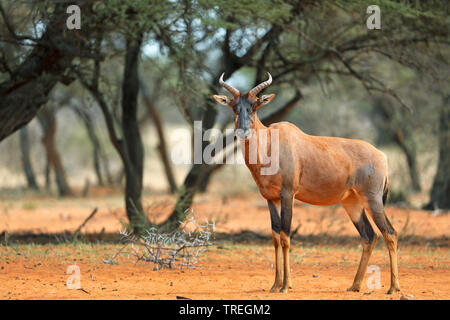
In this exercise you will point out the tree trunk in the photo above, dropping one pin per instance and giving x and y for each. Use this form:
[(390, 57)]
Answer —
[(85, 116), (195, 176), (48, 180), (106, 169), (440, 192), (203, 186), (186, 195), (48, 122), (162, 146), (403, 138), (26, 162), (132, 142), (402, 135), (129, 148)]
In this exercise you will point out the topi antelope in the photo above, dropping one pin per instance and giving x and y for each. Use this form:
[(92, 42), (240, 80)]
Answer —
[(316, 170)]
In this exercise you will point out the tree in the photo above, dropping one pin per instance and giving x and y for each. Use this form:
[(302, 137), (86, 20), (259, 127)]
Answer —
[(129, 147), (136, 18), (47, 120), (26, 161), (440, 192), (97, 151), (162, 146), (133, 149), (26, 87), (395, 124)]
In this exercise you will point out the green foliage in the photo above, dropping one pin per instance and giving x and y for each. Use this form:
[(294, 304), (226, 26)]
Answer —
[(134, 16), (436, 10), (233, 14)]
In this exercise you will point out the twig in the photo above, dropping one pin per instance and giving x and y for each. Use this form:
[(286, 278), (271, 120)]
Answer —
[(294, 232), (84, 222), (81, 289)]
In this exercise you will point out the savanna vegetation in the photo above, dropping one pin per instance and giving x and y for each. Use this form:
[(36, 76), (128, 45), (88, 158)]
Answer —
[(135, 64)]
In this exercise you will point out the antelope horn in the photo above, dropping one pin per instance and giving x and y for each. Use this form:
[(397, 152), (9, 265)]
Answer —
[(235, 92), (261, 86)]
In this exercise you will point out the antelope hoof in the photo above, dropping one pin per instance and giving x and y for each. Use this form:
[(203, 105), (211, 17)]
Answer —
[(354, 288), (284, 290), (393, 289), (275, 288)]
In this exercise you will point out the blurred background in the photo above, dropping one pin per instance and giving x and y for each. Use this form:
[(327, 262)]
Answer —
[(90, 112)]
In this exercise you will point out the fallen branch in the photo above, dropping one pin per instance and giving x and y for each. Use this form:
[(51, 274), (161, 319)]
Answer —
[(84, 222)]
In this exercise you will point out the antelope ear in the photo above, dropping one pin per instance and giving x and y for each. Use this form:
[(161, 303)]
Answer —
[(222, 100), (265, 99)]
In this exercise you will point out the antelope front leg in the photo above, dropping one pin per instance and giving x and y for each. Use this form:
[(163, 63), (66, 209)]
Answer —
[(276, 225), (278, 260), (286, 218), (285, 244)]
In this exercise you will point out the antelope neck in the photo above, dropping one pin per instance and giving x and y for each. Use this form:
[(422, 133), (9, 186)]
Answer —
[(256, 126)]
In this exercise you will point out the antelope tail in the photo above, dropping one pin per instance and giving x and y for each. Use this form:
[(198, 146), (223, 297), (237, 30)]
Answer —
[(385, 190)]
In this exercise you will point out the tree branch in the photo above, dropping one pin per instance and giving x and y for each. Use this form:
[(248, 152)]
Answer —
[(284, 110), (109, 120), (10, 27)]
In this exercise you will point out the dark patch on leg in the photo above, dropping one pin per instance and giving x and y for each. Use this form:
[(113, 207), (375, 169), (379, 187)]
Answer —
[(286, 211), (274, 217), (379, 217), (365, 228), (383, 223)]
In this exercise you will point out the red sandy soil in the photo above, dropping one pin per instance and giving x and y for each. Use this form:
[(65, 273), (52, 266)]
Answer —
[(227, 270), (236, 272)]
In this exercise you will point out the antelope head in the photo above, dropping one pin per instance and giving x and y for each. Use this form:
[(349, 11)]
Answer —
[(245, 105)]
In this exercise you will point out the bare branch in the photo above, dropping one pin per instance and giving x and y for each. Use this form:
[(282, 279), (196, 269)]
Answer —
[(109, 120), (10, 27)]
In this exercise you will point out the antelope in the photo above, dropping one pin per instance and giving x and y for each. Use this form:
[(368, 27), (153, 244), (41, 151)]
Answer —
[(317, 170)]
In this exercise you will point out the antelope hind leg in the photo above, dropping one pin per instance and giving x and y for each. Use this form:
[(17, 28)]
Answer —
[(287, 200), (356, 213), (390, 237)]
